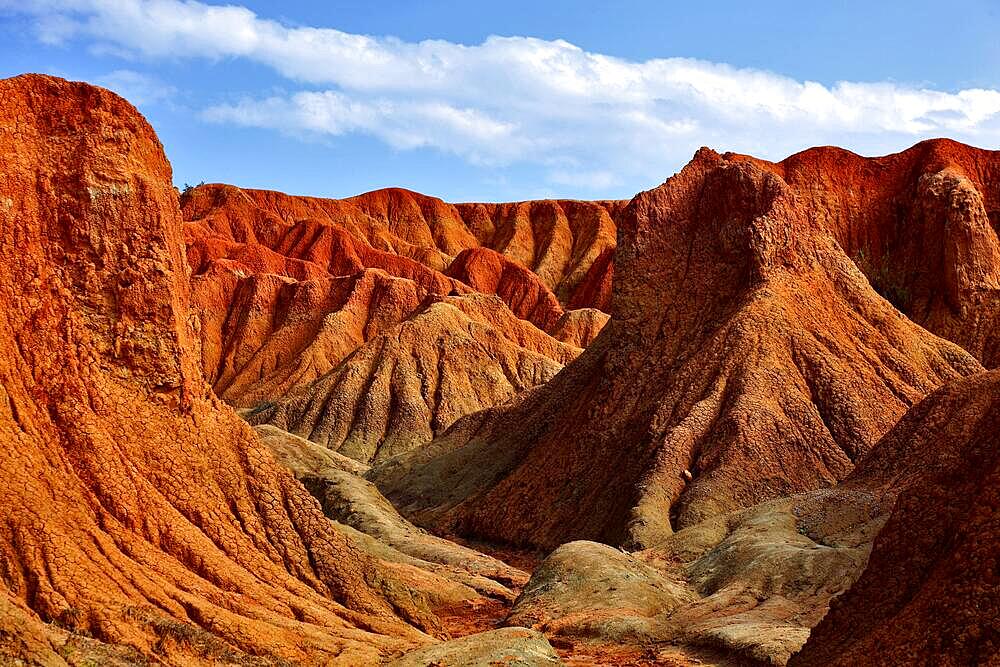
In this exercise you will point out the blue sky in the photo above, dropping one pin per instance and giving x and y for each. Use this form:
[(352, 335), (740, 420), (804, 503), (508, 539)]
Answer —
[(516, 100)]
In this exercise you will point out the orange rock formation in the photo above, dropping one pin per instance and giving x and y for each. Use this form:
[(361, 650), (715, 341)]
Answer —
[(403, 387), (921, 224), (285, 288), (490, 272), (394, 230), (747, 358), (137, 510)]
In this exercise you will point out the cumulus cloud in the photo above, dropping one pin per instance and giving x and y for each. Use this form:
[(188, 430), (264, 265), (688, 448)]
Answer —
[(590, 119), (408, 124)]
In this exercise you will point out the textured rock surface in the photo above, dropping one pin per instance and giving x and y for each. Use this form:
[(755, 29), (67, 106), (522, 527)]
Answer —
[(558, 240), (401, 388), (305, 458), (747, 358), (404, 233), (749, 584), (516, 647), (922, 224), (137, 509), (264, 335), (490, 272), (596, 589), (753, 583), (594, 289), (931, 591), (580, 327), (456, 579), (287, 288)]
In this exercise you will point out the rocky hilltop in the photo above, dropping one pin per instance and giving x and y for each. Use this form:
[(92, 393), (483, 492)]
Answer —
[(747, 358), (921, 224)]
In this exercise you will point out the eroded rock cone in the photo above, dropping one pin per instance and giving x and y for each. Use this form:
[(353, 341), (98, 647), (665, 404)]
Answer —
[(745, 347), (922, 225), (930, 593), (135, 508)]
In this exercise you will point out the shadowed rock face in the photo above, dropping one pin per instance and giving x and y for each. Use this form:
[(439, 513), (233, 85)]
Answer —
[(136, 508), (594, 290), (754, 583), (451, 575), (921, 224), (747, 358), (931, 590)]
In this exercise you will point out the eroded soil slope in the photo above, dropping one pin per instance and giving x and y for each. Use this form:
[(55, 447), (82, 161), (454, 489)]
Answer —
[(286, 289), (752, 584), (453, 357), (931, 591)]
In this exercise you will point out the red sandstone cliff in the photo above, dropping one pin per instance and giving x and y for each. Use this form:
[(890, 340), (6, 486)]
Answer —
[(137, 510)]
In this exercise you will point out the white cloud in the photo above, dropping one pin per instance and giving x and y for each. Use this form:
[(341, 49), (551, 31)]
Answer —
[(467, 132), (137, 88), (599, 179), (582, 115)]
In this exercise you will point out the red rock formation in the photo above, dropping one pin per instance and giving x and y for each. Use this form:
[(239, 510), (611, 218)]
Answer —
[(921, 224), (455, 356), (310, 248), (264, 335), (594, 290), (490, 272), (136, 509), (747, 358), (930, 593), (558, 240), (387, 229)]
